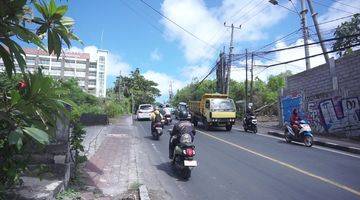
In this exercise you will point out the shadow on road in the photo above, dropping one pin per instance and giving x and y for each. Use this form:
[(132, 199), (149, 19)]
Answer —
[(170, 170)]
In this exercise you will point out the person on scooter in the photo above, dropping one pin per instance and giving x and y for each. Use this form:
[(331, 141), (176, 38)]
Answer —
[(249, 113), (180, 128), (155, 117), (294, 121)]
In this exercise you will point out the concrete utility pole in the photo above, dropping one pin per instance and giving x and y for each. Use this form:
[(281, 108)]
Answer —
[(314, 17), (305, 33), (252, 78), (246, 79), (231, 47)]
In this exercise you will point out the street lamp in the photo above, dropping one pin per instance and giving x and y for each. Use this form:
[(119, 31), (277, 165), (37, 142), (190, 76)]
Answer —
[(274, 2)]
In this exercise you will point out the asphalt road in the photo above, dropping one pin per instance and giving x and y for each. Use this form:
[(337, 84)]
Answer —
[(238, 165)]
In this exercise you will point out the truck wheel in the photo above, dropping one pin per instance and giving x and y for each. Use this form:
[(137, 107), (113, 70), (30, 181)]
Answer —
[(228, 127)]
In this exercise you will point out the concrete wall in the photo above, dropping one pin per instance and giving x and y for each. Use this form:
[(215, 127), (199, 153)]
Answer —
[(327, 96)]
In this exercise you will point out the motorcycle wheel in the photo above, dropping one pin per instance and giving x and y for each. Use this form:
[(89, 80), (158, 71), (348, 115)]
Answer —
[(255, 130), (287, 137), (156, 137), (308, 141), (186, 173)]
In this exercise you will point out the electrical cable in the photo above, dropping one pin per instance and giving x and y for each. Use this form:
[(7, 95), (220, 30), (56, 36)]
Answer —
[(176, 24), (321, 4), (297, 46)]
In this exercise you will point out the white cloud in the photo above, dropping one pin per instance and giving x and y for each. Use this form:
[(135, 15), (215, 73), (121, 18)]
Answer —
[(207, 24), (337, 11), (155, 55), (163, 81), (194, 71), (115, 62)]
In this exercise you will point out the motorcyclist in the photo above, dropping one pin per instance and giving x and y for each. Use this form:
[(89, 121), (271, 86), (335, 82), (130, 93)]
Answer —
[(249, 114), (167, 110), (180, 128), (155, 117), (294, 121)]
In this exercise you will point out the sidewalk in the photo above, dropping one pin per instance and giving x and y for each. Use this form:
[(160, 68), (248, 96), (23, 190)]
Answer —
[(112, 169), (335, 143)]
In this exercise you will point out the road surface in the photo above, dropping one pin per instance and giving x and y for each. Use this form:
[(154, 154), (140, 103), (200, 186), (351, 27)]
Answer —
[(238, 165)]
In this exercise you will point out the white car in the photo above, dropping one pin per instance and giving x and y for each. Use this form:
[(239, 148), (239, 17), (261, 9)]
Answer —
[(144, 111)]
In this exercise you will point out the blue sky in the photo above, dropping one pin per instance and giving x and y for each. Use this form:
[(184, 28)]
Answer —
[(138, 37)]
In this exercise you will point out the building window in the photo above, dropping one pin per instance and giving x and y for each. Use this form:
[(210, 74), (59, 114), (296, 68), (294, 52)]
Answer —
[(92, 82), (44, 61), (93, 65), (92, 73), (101, 67), (69, 61), (102, 59)]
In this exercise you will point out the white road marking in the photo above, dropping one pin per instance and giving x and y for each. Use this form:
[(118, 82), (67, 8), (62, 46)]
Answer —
[(315, 146)]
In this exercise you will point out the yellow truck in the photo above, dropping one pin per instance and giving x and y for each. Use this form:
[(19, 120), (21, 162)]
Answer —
[(213, 110)]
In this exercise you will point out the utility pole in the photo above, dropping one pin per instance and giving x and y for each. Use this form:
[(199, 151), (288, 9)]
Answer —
[(231, 47), (314, 17), (119, 86), (252, 78), (171, 94), (305, 33), (246, 80)]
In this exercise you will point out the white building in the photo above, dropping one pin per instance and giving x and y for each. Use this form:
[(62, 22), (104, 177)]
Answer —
[(90, 72)]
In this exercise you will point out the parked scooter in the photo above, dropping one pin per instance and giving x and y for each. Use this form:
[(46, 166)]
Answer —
[(157, 131), (184, 153), (250, 124), (305, 134)]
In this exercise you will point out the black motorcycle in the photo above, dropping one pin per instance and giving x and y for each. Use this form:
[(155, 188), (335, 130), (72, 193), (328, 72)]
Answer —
[(157, 130), (250, 123), (184, 153)]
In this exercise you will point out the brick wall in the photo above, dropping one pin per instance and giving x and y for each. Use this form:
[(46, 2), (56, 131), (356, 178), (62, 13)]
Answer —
[(327, 96)]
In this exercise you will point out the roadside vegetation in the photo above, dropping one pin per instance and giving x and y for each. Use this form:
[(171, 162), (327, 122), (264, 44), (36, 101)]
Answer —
[(264, 99)]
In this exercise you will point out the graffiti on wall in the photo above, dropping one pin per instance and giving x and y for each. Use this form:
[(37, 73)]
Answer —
[(289, 103), (340, 114)]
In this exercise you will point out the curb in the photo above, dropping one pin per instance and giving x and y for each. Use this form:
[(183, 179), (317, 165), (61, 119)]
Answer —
[(324, 144), (143, 193)]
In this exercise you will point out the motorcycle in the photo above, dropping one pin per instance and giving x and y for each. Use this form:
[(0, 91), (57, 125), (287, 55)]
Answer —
[(183, 159), (305, 134), (250, 124), (168, 119), (157, 130)]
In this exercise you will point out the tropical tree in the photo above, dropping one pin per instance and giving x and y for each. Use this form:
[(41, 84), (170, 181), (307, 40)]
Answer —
[(18, 22), (343, 31), (137, 87), (29, 102)]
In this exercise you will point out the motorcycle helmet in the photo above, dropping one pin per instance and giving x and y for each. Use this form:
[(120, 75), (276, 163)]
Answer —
[(183, 115)]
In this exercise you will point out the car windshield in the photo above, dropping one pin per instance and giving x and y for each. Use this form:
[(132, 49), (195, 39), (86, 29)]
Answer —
[(145, 107), (222, 104)]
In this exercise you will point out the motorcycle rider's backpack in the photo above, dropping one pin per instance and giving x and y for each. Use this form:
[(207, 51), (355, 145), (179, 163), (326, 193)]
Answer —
[(157, 117)]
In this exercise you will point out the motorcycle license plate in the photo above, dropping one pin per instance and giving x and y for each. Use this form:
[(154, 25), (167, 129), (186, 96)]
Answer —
[(158, 128), (190, 163)]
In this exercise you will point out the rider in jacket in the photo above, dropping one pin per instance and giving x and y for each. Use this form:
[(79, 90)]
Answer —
[(155, 117), (180, 128), (294, 121)]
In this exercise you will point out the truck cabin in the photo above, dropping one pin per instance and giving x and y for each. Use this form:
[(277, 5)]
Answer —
[(220, 104)]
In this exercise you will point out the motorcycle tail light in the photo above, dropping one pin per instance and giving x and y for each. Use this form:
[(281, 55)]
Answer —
[(190, 152)]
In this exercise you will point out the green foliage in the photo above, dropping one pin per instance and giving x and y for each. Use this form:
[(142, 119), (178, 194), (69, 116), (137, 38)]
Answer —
[(136, 85), (15, 19), (351, 27), (28, 109), (69, 194), (29, 102), (264, 93)]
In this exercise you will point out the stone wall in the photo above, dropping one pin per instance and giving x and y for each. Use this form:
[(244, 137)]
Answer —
[(327, 96)]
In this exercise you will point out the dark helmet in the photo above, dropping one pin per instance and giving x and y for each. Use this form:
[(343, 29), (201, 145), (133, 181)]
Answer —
[(183, 115)]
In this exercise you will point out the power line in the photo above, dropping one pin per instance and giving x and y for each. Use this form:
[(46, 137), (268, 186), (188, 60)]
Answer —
[(341, 3), (295, 60), (297, 46), (248, 11), (326, 22), (252, 17), (280, 39), (176, 24), (140, 15), (327, 6)]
